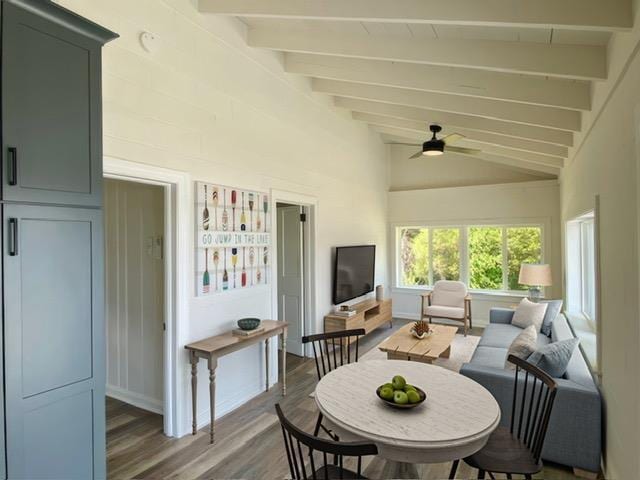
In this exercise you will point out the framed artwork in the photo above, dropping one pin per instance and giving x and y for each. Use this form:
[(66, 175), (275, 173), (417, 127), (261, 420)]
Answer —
[(232, 238)]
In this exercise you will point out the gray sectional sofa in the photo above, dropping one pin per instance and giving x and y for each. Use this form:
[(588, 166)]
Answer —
[(575, 428)]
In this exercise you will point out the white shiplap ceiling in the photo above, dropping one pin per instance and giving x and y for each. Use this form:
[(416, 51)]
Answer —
[(513, 76)]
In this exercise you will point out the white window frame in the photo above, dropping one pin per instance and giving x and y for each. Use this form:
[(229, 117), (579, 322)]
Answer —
[(464, 253), (575, 267)]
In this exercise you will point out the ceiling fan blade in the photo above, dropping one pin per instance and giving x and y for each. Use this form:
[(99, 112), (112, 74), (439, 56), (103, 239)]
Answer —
[(452, 138), (416, 155), (405, 144), (466, 151)]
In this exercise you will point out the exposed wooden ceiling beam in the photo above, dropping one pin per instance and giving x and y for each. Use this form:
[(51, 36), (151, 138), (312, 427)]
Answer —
[(515, 112), (427, 116), (408, 136), (530, 89), (578, 14), (536, 158), (531, 146), (570, 61)]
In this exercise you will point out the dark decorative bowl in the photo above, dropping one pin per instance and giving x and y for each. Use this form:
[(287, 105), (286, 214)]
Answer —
[(391, 403), (248, 323)]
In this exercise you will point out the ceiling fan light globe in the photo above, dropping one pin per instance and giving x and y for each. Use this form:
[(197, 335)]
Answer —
[(432, 153)]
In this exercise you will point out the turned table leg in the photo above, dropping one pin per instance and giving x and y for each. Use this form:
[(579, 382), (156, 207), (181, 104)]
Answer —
[(284, 361), (194, 390), (213, 363), (266, 362)]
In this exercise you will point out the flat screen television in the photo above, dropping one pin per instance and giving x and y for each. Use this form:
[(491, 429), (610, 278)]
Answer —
[(353, 273)]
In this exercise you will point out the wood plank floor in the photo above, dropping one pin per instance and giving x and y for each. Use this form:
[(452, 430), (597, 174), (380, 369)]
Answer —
[(248, 440)]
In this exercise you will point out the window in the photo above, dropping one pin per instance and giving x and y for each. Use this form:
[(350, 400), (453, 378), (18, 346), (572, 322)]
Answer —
[(484, 257), (581, 272)]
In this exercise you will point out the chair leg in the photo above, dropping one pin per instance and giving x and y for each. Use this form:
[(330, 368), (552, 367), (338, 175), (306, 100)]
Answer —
[(481, 474), (454, 469), (528, 477)]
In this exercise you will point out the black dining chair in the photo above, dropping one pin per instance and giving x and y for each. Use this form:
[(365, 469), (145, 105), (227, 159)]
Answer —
[(302, 447), (330, 351), (516, 450)]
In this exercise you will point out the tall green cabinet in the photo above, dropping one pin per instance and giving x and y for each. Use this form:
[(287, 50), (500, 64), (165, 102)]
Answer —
[(53, 358)]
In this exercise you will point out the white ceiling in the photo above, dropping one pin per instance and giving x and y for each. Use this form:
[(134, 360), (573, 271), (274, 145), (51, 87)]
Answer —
[(513, 76)]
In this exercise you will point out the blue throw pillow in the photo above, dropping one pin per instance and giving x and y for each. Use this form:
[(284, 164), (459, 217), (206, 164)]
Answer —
[(554, 357), (553, 309)]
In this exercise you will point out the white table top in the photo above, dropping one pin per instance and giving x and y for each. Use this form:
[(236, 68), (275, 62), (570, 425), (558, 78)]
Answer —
[(456, 418)]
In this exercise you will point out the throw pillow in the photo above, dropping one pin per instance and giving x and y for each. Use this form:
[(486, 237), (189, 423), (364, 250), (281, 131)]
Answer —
[(553, 309), (554, 357), (523, 345), (529, 313)]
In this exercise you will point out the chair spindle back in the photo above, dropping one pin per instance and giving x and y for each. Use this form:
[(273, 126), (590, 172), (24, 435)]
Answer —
[(332, 350)]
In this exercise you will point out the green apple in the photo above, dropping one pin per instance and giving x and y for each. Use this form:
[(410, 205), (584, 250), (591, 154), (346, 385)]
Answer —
[(400, 397), (408, 387), (388, 385), (398, 382), (386, 393), (413, 396)]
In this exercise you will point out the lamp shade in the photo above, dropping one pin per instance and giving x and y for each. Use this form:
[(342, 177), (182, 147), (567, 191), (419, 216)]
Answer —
[(535, 274)]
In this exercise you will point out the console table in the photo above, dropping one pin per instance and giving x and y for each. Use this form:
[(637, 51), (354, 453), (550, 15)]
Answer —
[(218, 346)]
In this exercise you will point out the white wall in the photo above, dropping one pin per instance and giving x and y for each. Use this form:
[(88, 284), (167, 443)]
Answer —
[(527, 202), (607, 165), (134, 296), (207, 104), (449, 170)]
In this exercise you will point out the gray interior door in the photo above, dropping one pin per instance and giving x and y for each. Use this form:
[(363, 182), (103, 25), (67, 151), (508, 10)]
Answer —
[(50, 112), (290, 276), (54, 349)]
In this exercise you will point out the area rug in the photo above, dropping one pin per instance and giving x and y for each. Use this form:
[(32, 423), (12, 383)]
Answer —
[(462, 349)]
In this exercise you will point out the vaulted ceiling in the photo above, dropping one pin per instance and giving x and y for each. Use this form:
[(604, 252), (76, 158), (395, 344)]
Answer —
[(512, 76)]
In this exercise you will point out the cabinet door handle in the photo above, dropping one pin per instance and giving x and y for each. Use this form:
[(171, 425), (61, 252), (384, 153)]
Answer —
[(13, 165), (13, 237)]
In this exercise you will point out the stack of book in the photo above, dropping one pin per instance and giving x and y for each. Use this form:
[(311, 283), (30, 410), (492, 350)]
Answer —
[(345, 313)]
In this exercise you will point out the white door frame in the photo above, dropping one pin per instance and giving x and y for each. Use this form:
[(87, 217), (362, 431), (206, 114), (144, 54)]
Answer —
[(176, 273), (309, 257)]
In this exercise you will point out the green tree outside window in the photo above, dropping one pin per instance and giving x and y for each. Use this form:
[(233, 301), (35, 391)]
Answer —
[(485, 258)]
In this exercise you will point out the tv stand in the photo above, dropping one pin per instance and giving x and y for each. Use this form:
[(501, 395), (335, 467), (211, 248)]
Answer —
[(370, 314)]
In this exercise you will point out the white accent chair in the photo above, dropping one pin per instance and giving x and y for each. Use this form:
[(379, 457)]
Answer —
[(450, 300)]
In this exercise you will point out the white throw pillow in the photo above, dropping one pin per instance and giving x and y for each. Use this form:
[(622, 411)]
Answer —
[(523, 345), (529, 313)]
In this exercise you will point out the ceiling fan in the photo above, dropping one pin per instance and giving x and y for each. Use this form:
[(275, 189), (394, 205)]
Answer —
[(438, 146)]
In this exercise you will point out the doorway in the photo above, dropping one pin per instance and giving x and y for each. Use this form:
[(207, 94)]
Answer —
[(294, 268), (134, 215)]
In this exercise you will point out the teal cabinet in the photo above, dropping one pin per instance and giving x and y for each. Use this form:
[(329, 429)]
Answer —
[(52, 407)]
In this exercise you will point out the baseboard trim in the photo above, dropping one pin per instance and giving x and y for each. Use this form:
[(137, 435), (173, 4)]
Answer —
[(136, 399)]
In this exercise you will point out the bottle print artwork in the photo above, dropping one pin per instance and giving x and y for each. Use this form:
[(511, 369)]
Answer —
[(205, 212)]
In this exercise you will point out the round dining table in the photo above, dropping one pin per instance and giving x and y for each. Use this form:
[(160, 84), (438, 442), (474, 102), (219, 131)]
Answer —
[(453, 422)]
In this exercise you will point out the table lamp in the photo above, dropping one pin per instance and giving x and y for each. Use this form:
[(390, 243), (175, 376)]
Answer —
[(535, 276)]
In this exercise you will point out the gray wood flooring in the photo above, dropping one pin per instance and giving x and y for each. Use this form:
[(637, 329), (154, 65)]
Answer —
[(248, 440)]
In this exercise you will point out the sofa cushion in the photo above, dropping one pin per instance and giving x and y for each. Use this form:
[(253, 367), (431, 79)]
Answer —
[(500, 335), (523, 345), (554, 357), (578, 370), (444, 312), (553, 309), (489, 357), (529, 313)]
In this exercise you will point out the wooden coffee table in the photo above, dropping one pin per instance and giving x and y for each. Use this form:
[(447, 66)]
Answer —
[(402, 345)]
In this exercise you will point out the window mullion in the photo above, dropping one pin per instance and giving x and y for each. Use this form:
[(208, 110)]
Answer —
[(505, 261), (431, 257)]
